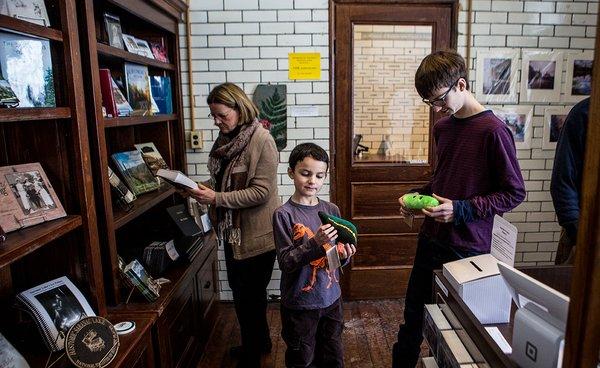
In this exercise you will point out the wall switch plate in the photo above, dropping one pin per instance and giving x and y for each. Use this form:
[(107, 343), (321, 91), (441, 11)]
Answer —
[(196, 139)]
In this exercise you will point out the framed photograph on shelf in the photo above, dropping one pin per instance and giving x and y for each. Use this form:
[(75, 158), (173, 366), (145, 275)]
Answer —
[(554, 119), (497, 78), (112, 23), (518, 118), (579, 76), (541, 76)]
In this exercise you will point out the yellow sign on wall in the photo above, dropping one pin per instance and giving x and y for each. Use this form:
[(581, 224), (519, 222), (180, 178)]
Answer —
[(304, 65)]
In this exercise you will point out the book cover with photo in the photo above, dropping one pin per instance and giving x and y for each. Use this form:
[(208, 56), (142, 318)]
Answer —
[(135, 172), (152, 157), (26, 197), (33, 11), (27, 65), (159, 51), (112, 24), (55, 306), (138, 88), (7, 95), (144, 48), (130, 44), (142, 280), (161, 92)]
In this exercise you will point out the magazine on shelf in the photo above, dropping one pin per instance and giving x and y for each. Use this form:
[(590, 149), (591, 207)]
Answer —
[(7, 95), (138, 88), (130, 44), (144, 48), (135, 172), (33, 11), (152, 157), (26, 197), (112, 23), (55, 306), (123, 106), (123, 193), (26, 64), (159, 51), (161, 92), (138, 275)]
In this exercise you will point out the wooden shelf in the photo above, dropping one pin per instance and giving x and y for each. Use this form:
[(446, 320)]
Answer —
[(114, 52), (22, 242), (137, 120), (30, 29), (142, 204), (34, 113)]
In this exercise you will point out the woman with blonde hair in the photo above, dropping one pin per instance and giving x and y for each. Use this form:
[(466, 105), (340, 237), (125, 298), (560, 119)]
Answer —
[(242, 194)]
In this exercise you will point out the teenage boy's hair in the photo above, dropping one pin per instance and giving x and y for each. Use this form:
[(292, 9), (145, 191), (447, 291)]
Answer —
[(439, 70), (301, 151)]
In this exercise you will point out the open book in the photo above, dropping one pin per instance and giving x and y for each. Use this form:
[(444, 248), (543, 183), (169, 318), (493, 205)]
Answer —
[(178, 179)]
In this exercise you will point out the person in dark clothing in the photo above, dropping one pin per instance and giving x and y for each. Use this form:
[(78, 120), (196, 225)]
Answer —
[(477, 176), (565, 186), (243, 195)]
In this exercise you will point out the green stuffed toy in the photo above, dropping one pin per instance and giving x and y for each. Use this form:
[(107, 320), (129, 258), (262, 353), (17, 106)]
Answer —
[(347, 233), (416, 201)]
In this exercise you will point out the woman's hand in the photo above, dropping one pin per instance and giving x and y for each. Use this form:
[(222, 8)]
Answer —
[(203, 195), (444, 212), (346, 250), (325, 234)]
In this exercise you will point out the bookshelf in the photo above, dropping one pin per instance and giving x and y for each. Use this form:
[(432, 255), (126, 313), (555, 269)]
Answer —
[(183, 315), (57, 138)]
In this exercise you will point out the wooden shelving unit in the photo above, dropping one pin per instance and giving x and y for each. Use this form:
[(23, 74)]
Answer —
[(138, 120)]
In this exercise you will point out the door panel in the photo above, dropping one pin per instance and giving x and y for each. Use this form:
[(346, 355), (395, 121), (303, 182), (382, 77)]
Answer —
[(381, 141)]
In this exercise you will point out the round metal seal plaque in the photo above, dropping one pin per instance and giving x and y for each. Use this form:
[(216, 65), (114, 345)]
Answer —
[(92, 343)]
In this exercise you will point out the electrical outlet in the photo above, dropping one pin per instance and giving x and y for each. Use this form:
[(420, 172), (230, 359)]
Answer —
[(196, 139)]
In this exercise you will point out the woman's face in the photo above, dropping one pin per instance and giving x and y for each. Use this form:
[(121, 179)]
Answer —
[(226, 118)]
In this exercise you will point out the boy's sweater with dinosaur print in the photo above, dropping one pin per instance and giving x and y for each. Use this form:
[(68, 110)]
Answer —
[(306, 282)]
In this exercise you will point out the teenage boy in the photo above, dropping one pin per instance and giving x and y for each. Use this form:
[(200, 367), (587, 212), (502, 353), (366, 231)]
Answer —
[(311, 305), (477, 176)]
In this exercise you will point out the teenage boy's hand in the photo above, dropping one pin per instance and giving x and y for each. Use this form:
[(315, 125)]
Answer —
[(444, 212), (346, 250), (325, 234)]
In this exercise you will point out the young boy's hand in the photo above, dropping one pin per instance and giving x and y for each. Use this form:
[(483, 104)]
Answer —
[(346, 250), (326, 234)]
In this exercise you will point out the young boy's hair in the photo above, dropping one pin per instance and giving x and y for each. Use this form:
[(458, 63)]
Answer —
[(301, 151), (439, 70)]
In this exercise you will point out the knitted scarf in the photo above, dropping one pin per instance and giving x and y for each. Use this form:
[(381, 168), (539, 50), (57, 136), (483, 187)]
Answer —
[(231, 152)]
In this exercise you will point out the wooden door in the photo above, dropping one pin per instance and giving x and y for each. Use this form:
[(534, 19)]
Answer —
[(377, 48)]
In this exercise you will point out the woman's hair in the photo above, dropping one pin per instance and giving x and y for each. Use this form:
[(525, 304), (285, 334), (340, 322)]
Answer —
[(304, 150), (231, 95), (439, 70)]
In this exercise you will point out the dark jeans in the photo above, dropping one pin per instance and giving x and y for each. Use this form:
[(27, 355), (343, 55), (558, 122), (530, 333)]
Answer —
[(248, 279), (431, 255), (313, 337)]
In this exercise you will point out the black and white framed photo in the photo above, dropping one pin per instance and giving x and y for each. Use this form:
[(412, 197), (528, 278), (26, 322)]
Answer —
[(554, 119), (55, 306), (112, 23), (497, 77), (541, 76), (518, 118), (579, 76)]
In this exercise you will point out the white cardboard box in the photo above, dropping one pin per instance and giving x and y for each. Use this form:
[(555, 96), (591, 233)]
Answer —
[(478, 282)]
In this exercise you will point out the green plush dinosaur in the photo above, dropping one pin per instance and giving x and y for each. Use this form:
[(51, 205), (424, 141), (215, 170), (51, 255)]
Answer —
[(416, 201), (346, 230)]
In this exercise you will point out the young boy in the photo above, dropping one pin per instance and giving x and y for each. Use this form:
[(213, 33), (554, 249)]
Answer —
[(476, 177), (311, 306)]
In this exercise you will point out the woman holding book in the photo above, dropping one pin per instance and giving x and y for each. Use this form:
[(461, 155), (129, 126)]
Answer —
[(242, 194)]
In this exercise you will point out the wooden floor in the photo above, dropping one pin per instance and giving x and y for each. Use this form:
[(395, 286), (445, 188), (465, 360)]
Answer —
[(369, 333)]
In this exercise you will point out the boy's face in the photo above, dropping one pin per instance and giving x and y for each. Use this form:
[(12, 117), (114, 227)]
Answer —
[(308, 176), (450, 99)]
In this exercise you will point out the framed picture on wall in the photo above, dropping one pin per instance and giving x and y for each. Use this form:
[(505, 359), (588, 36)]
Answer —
[(497, 78), (518, 118), (579, 76), (554, 119), (541, 76)]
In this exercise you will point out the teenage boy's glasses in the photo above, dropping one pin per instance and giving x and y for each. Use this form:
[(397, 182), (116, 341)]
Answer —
[(219, 116), (441, 100)]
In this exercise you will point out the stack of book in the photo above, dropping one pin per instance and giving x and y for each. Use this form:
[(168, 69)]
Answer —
[(159, 255)]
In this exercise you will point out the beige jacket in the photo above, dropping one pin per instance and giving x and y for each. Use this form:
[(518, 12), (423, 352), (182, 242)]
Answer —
[(259, 199)]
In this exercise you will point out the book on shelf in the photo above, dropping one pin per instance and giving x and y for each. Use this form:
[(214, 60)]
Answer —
[(112, 98), (33, 11), (26, 64), (54, 306), (178, 179), (135, 172), (123, 193), (144, 48), (152, 157), (26, 197), (159, 51), (130, 44), (189, 238), (139, 277), (138, 88), (9, 356), (159, 256), (112, 25), (7, 95), (161, 92)]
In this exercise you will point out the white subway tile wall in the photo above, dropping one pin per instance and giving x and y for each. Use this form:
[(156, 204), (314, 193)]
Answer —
[(247, 43)]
